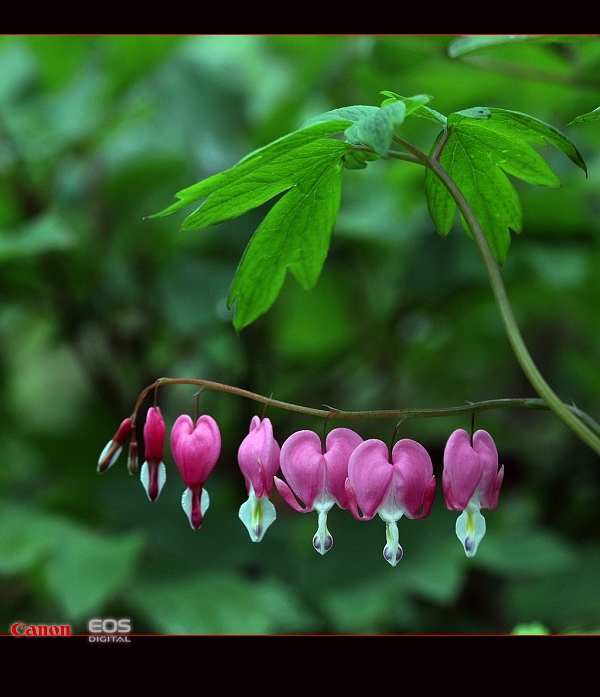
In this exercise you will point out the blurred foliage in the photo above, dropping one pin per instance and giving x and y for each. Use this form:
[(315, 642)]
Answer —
[(97, 132)]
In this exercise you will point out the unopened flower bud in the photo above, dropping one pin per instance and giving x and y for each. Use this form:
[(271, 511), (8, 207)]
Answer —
[(113, 448), (153, 473), (258, 458)]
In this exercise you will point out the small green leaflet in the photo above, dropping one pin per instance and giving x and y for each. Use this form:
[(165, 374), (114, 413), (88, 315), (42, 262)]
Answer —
[(416, 106), (372, 126), (584, 118), (482, 148), (376, 129)]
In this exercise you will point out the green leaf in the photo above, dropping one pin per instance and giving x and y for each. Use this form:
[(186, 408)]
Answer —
[(357, 159), (478, 44), (530, 628), (305, 167), (220, 603), (86, 570), (376, 129), (440, 204), (476, 112), (45, 233), (25, 539), (83, 570), (483, 146), (295, 234), (256, 178), (374, 126), (564, 598), (532, 130), (584, 118), (469, 44), (259, 185), (537, 553), (411, 103)]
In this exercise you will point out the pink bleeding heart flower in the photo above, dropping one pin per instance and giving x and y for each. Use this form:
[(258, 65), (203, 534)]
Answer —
[(317, 476), (402, 484), (113, 448), (153, 473), (471, 481), (196, 449), (258, 458)]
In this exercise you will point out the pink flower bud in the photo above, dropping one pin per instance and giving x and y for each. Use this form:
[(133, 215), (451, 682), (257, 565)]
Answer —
[(153, 473), (258, 458)]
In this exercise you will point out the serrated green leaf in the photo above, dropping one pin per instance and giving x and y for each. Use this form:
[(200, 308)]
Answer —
[(485, 186), (376, 129), (478, 153), (295, 234), (584, 118), (516, 124), (276, 157), (259, 185), (507, 142), (440, 204)]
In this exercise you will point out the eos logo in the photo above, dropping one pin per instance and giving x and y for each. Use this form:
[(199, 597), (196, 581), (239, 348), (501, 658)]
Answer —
[(108, 630)]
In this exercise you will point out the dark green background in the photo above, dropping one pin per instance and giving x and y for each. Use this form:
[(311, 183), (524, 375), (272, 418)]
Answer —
[(97, 132)]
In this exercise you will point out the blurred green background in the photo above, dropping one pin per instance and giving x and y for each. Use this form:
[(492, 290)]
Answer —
[(97, 132)]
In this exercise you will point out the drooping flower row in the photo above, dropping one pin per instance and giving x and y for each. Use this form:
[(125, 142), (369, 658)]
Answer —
[(362, 476)]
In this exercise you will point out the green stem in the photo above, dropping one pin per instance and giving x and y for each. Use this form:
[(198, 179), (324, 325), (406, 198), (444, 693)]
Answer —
[(581, 427)]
